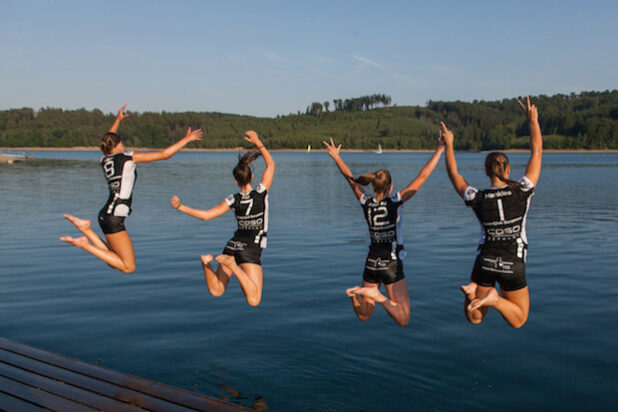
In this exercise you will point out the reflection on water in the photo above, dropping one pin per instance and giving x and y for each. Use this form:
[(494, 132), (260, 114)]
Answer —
[(303, 347)]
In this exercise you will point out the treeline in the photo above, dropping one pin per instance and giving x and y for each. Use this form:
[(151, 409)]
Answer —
[(355, 104), (587, 120)]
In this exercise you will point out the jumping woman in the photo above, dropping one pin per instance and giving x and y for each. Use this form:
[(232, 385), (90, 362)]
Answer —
[(119, 170), (241, 255), (384, 262), (501, 211)]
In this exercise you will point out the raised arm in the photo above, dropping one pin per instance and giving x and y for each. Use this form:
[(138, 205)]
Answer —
[(333, 151), (459, 183), (269, 172), (533, 170), (425, 172), (119, 117), (204, 215), (191, 136)]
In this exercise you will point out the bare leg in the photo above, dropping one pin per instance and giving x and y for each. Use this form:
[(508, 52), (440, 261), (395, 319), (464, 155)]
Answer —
[(248, 284), (471, 292), (120, 256), (397, 304), (363, 306), (84, 226), (215, 281), (512, 305)]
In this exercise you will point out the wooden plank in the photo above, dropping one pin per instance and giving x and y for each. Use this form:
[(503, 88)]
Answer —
[(150, 391), (11, 403), (39, 397), (63, 389), (88, 383)]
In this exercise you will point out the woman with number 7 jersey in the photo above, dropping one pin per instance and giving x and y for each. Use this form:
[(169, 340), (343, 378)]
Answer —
[(501, 211), (119, 169), (241, 255), (383, 264)]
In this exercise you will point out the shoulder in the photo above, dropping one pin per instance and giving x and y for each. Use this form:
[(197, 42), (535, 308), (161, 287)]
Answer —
[(365, 197), (261, 189), (396, 198), (526, 184), (470, 195), (230, 200)]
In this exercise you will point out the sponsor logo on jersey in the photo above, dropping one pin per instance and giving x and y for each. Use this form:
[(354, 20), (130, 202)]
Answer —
[(498, 194)]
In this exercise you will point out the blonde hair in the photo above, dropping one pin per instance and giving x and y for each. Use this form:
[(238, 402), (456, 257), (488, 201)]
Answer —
[(380, 181)]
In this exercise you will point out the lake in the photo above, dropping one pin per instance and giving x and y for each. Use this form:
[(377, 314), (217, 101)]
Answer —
[(303, 348)]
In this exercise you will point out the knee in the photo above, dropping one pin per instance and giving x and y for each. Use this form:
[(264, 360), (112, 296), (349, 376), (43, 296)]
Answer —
[(404, 321), (475, 321), (128, 269), (254, 301), (363, 318), (216, 292)]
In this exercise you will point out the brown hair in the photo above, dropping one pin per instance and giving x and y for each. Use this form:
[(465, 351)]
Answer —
[(242, 172), (380, 181), (496, 164), (109, 141)]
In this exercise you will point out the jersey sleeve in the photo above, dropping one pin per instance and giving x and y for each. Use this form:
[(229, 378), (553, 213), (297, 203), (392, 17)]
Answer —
[(129, 154), (470, 195), (397, 198), (364, 198), (230, 201), (526, 184), (260, 188)]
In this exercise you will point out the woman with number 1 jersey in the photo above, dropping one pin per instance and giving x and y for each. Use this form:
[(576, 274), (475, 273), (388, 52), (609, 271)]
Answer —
[(241, 255), (501, 211), (384, 261), (120, 172)]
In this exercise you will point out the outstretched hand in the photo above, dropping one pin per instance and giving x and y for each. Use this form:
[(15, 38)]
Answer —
[(121, 114), (252, 137), (530, 110), (175, 202), (446, 136), (333, 151), (194, 135)]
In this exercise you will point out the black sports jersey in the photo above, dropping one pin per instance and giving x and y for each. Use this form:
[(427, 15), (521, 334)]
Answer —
[(251, 211), (384, 222), (502, 214), (121, 175)]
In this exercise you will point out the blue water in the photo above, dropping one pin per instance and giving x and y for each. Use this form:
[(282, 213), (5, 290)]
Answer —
[(303, 348)]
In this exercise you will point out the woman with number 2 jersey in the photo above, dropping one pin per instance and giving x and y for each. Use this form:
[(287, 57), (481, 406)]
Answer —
[(383, 264), (241, 255), (119, 170), (501, 211)]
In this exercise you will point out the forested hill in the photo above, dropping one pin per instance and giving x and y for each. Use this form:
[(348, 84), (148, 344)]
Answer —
[(588, 120)]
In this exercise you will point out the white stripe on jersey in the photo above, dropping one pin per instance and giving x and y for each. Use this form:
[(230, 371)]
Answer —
[(500, 209), (127, 181)]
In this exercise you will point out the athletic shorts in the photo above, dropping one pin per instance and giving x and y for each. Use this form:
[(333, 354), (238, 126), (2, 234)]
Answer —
[(380, 267), (510, 273), (244, 251), (111, 224)]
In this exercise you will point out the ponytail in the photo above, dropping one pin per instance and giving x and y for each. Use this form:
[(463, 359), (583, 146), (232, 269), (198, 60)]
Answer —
[(242, 171), (496, 164), (380, 181), (109, 141)]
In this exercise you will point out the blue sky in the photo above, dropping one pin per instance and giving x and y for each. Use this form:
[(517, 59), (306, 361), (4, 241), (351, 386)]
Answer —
[(266, 58)]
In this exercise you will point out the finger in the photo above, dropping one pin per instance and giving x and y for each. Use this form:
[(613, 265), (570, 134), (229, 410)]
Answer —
[(444, 127), (324, 142), (123, 107), (522, 105), (528, 100), (332, 142), (339, 147)]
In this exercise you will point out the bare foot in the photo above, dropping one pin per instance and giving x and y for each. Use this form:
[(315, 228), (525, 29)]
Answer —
[(372, 293), (206, 259), (81, 224), (489, 300), (80, 242), (469, 290), (351, 292)]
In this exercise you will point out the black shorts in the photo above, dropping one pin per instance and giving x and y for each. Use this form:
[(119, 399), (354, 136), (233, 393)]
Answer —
[(382, 266), (111, 224), (244, 251), (510, 273)]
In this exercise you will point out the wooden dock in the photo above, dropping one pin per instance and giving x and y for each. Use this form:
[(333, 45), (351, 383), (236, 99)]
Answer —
[(34, 380)]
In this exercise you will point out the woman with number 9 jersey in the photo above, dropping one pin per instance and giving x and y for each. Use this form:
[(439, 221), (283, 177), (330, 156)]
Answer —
[(241, 255), (119, 170), (501, 211), (383, 264)]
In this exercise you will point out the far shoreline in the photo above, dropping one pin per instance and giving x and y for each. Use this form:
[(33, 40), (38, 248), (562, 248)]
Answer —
[(240, 149)]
